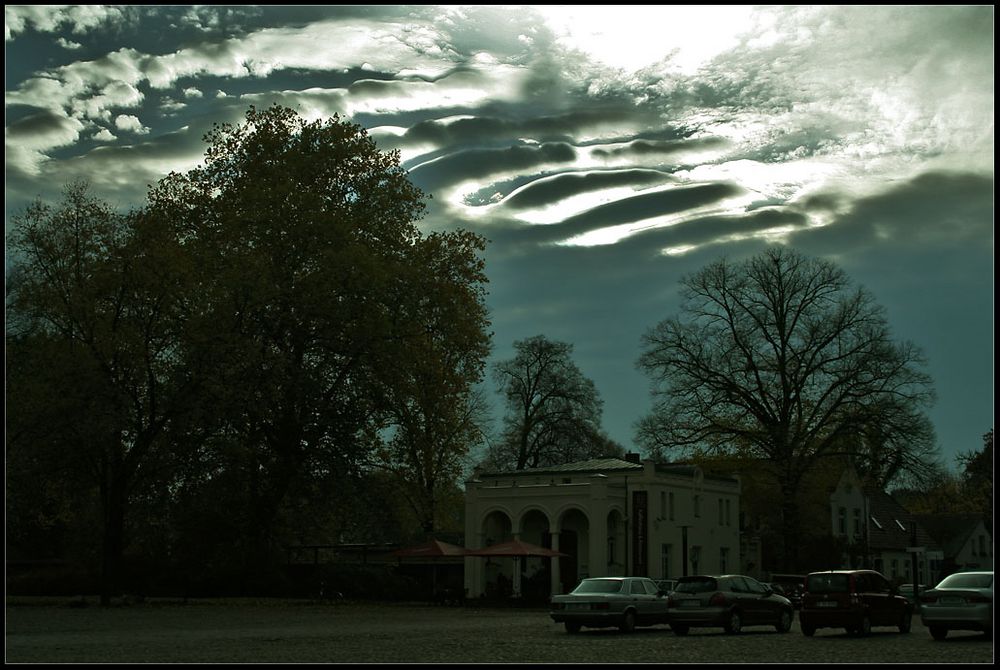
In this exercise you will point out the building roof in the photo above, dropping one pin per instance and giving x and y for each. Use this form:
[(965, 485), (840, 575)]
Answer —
[(609, 464), (950, 531), (591, 465), (889, 523)]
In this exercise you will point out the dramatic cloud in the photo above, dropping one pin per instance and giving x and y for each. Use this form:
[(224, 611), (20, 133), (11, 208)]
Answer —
[(605, 151)]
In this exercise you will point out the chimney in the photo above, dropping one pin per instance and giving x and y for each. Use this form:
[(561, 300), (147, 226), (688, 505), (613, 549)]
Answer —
[(632, 457)]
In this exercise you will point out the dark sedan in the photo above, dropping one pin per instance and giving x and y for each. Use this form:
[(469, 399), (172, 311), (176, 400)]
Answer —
[(727, 601)]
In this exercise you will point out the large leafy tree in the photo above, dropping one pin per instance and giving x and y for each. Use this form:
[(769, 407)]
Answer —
[(97, 308), (437, 414), (310, 269), (553, 411), (780, 358)]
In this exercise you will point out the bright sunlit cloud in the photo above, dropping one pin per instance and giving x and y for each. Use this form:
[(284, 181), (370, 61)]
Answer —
[(635, 36)]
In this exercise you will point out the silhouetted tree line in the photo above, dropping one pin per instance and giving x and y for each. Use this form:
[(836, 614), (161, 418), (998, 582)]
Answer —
[(267, 352)]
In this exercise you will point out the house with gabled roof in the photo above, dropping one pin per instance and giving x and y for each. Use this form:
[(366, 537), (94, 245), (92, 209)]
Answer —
[(964, 538), (608, 516), (881, 534)]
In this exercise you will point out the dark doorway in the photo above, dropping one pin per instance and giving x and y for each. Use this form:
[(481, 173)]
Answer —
[(567, 564)]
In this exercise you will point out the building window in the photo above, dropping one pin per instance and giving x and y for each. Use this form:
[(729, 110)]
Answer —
[(670, 497), (665, 550), (722, 513), (895, 568), (729, 513), (663, 504), (723, 555), (697, 506), (842, 521), (695, 558), (857, 522), (611, 550)]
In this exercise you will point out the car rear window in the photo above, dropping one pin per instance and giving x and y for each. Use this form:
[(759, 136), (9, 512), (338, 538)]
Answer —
[(697, 585), (599, 586), (828, 583), (966, 581)]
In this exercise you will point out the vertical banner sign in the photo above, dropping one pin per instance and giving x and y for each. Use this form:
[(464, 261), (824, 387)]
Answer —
[(639, 537)]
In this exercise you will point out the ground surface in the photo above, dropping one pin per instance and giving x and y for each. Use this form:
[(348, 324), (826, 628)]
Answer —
[(272, 631)]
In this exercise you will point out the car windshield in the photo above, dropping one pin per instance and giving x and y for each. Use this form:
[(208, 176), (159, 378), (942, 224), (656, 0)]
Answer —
[(966, 581), (599, 586), (696, 585), (827, 583)]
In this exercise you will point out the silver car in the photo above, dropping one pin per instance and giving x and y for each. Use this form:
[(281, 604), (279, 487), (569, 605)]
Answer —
[(602, 602), (962, 601)]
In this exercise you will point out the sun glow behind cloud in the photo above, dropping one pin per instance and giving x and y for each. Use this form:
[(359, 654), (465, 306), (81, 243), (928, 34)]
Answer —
[(635, 36)]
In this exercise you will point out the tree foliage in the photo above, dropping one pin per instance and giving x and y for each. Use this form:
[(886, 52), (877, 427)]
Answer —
[(102, 295), (779, 357), (245, 342), (553, 411)]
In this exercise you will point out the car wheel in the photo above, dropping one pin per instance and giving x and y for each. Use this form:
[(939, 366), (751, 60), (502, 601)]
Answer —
[(628, 623), (938, 632), (785, 622), (808, 631), (679, 629), (735, 624), (905, 623), (572, 627)]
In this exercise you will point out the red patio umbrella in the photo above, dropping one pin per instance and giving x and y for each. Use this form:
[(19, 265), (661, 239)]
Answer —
[(432, 549), (514, 548), (518, 550)]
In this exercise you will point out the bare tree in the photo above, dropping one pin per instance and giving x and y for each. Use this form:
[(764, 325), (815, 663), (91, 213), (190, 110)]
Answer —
[(780, 358), (553, 410)]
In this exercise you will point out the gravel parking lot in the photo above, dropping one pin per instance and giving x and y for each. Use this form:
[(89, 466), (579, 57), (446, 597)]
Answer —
[(299, 631)]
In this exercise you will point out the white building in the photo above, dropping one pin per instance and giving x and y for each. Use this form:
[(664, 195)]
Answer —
[(881, 534), (610, 516)]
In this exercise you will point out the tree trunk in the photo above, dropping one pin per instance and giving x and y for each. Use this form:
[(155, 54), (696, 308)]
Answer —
[(113, 502), (789, 523)]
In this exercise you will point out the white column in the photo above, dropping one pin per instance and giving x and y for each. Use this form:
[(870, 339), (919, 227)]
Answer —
[(556, 586)]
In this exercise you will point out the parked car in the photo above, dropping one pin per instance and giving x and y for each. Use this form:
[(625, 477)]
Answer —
[(906, 590), (602, 602), (666, 585), (792, 586), (728, 601), (794, 596), (962, 601), (855, 600)]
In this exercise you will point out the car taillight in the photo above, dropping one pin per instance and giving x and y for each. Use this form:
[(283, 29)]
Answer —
[(600, 606), (977, 599), (717, 600)]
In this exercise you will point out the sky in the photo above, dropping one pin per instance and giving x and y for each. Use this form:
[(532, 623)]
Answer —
[(604, 151)]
